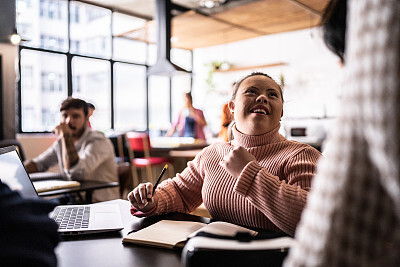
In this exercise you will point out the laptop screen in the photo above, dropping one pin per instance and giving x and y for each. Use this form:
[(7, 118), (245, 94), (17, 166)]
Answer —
[(13, 173)]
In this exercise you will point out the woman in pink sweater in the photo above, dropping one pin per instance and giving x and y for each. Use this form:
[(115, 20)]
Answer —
[(260, 179)]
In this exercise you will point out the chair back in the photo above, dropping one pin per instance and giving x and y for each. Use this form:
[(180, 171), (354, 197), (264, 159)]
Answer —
[(139, 142), (120, 149)]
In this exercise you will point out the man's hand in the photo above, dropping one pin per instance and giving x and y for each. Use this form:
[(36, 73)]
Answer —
[(235, 161), (30, 166), (70, 156), (62, 129)]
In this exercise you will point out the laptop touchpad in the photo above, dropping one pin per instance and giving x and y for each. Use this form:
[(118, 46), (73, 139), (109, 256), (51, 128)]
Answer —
[(105, 219)]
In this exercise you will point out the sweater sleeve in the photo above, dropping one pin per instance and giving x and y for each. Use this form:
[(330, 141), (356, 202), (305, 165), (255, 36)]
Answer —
[(280, 199), (183, 192)]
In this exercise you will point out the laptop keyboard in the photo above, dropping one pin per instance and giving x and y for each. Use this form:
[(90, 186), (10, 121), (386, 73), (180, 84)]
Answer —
[(72, 217)]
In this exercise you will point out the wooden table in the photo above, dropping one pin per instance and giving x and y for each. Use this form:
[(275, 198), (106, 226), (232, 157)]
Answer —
[(163, 145), (181, 149)]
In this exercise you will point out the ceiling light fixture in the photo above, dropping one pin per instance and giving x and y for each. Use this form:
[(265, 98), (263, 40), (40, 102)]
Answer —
[(210, 3), (164, 66), (15, 39)]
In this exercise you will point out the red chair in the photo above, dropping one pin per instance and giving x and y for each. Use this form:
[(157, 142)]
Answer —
[(140, 143)]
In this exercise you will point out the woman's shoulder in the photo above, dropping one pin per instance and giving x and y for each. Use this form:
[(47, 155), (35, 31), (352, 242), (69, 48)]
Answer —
[(298, 147), (197, 110)]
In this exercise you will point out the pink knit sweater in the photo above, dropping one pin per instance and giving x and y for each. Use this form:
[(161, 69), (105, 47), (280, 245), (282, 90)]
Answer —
[(270, 193)]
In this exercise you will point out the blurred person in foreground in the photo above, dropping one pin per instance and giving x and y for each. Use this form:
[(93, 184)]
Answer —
[(28, 236), (352, 217)]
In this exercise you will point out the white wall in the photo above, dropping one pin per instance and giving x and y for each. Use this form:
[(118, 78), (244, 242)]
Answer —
[(312, 74)]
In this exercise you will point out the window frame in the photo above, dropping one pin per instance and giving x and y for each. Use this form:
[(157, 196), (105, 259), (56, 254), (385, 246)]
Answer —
[(111, 60)]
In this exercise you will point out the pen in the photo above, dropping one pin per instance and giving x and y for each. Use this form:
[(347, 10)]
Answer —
[(159, 177)]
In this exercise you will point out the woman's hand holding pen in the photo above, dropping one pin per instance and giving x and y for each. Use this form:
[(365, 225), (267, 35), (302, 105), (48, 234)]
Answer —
[(142, 197), (235, 161)]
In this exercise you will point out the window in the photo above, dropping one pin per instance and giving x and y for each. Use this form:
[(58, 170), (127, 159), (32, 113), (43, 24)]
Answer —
[(92, 30), (76, 81), (94, 87), (49, 116), (46, 94), (130, 97), (44, 26), (52, 9), (23, 4), (103, 67), (24, 29), (27, 73), (123, 24), (52, 82), (43, 8), (182, 58), (52, 42), (137, 50), (159, 103), (74, 14)]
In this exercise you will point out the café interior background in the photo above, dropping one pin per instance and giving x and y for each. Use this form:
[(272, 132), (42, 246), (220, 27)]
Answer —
[(311, 74)]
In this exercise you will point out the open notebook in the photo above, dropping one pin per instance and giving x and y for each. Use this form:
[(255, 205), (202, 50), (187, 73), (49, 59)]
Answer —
[(48, 185), (72, 219), (174, 234)]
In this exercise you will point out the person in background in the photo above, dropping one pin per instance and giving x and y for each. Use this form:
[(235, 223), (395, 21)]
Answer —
[(352, 217), (259, 179), (28, 236), (91, 109), (81, 153), (190, 122), (226, 120)]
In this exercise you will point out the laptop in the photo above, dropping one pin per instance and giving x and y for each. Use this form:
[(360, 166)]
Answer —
[(72, 219)]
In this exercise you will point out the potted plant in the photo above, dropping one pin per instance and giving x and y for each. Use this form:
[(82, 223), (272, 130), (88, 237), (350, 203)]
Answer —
[(212, 67)]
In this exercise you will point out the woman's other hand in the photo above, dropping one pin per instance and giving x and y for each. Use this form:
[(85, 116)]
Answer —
[(235, 161), (142, 197)]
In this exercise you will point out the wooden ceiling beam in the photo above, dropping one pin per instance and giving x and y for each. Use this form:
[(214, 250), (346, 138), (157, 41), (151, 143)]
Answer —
[(305, 7), (241, 27)]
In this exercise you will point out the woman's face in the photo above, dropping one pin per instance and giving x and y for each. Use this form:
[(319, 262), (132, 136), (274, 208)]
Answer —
[(258, 106)]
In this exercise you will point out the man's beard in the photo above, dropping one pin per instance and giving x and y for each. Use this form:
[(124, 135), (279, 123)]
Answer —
[(79, 133)]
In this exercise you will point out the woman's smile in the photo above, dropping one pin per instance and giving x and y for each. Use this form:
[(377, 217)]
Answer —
[(260, 110)]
